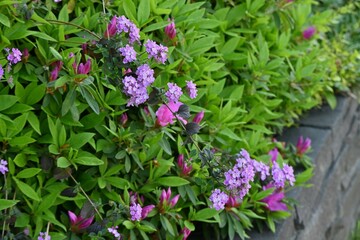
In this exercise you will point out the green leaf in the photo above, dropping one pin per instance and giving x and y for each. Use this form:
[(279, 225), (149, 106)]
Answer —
[(17, 31), (56, 54), (7, 101), (20, 160), (229, 133), (90, 100), (130, 9), (155, 26), (164, 144), (204, 214), (129, 225), (4, 203), (143, 11), (27, 190), (62, 162), (20, 141), (4, 20), (41, 35), (68, 102), (28, 172), (172, 181), (34, 122), (118, 182), (80, 139), (87, 159)]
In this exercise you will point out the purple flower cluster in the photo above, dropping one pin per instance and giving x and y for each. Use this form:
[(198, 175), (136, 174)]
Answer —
[(114, 232), (218, 199), (3, 166), (174, 92), (280, 176), (128, 53), (135, 88), (43, 236), (1, 72), (191, 88), (14, 56), (156, 51), (125, 25), (135, 212)]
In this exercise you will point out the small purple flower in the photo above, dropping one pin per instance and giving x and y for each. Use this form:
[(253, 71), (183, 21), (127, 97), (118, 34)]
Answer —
[(198, 117), (3, 166), (191, 88), (289, 174), (261, 168), (113, 230), (71, 55), (309, 32), (135, 90), (43, 236), (1, 72), (218, 199), (302, 145), (135, 212), (278, 176), (158, 52), (174, 92), (57, 1), (128, 53), (15, 56), (273, 201), (145, 74), (125, 25), (170, 30)]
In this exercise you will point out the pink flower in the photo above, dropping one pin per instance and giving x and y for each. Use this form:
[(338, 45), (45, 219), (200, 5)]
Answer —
[(170, 30), (123, 119), (309, 32), (274, 154), (303, 145), (232, 202), (185, 169), (111, 28), (55, 72), (273, 201), (165, 198), (185, 232), (82, 68), (146, 210), (198, 117), (165, 116), (78, 223)]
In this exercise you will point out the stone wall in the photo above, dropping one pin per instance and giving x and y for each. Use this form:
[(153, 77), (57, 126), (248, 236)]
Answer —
[(329, 209)]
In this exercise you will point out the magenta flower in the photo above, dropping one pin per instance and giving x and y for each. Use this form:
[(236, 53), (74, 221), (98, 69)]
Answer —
[(273, 201), (166, 200), (303, 145), (78, 223), (232, 202), (274, 154), (25, 55), (170, 30), (3, 166), (111, 28), (185, 232), (165, 116), (123, 119), (309, 32), (55, 72), (198, 117), (185, 169), (146, 210), (82, 68)]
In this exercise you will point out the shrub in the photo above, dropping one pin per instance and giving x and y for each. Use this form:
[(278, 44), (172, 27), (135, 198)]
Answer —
[(143, 119)]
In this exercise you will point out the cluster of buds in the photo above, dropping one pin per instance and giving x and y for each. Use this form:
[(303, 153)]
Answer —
[(184, 167), (166, 202)]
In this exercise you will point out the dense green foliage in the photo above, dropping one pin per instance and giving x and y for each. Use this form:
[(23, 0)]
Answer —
[(72, 143)]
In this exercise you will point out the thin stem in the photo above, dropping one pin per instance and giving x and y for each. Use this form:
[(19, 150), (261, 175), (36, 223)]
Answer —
[(47, 230), (87, 197), (75, 25)]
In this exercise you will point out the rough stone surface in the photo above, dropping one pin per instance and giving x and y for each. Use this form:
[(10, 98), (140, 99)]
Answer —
[(329, 209)]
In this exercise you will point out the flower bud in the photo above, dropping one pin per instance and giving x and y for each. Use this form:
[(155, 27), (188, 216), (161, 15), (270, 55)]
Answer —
[(198, 117), (170, 30), (309, 32)]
